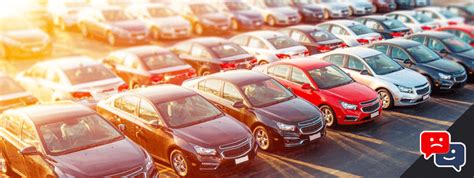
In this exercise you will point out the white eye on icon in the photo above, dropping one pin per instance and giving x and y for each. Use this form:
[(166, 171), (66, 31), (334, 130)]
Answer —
[(431, 139), (453, 151), (440, 139)]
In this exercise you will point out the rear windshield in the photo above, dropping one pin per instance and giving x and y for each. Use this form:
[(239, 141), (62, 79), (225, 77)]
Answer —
[(360, 29), (227, 50), (160, 61), (282, 42), (322, 35), (422, 18), (393, 24), (86, 74)]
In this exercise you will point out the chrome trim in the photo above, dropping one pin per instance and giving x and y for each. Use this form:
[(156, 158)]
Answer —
[(309, 123), (241, 143)]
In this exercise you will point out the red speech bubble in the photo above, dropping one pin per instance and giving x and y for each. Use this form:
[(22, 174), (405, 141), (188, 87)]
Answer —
[(434, 142)]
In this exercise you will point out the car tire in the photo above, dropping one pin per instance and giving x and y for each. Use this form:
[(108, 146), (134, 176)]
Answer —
[(155, 33), (62, 25), (5, 168), (271, 20), (386, 98), (430, 82), (374, 9), (83, 29), (326, 15), (262, 62), (180, 164), (234, 24), (198, 29), (204, 71), (133, 84), (329, 116), (264, 142), (111, 39), (351, 11)]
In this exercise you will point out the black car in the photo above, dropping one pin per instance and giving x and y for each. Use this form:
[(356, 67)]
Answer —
[(463, 10), (388, 27), (212, 54), (317, 40), (204, 17), (244, 17), (309, 11), (112, 24), (442, 74), (13, 95), (448, 46)]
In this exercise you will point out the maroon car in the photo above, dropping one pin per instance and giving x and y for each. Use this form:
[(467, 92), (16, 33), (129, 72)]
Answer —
[(13, 95), (68, 140), (148, 65), (384, 5)]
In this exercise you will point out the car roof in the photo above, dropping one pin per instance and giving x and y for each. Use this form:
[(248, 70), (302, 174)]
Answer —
[(54, 112), (360, 51), (146, 49), (376, 17), (404, 43), (208, 41), (239, 77), (305, 28), (305, 63), (264, 34), (162, 93), (343, 22), (435, 34), (70, 62)]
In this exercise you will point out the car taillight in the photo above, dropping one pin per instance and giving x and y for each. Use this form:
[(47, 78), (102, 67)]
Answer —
[(426, 27), (191, 73), (452, 23), (81, 95), (157, 79), (380, 38), (123, 87), (343, 45), (253, 61), (363, 41), (228, 65), (283, 56), (396, 34), (306, 53), (323, 48)]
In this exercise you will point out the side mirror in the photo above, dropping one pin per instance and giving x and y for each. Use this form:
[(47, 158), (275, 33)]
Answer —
[(238, 104), (306, 86), (364, 72), (29, 150), (121, 127), (155, 123)]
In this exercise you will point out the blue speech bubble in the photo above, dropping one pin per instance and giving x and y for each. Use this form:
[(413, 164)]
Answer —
[(455, 158)]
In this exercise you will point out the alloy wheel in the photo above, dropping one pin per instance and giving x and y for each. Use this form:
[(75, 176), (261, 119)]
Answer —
[(111, 39), (328, 115), (326, 14), (262, 138), (386, 98), (198, 29), (155, 33), (234, 24), (179, 163), (271, 20), (84, 31)]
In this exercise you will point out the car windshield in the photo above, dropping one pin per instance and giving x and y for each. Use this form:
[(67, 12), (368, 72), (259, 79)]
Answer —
[(393, 24), (160, 61), (329, 77), (266, 92), (282, 42), (227, 50), (202, 8), (275, 3), (382, 64), (237, 6), (321, 35), (9, 86), (422, 18), (304, 1), (114, 15), (447, 14), (457, 45), (14, 24), (188, 111), (160, 12), (423, 54), (79, 133), (86, 74), (470, 9), (360, 29)]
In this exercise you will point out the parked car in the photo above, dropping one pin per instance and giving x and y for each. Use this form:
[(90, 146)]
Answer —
[(441, 73), (212, 54), (384, 5), (308, 10), (388, 27), (275, 115), (68, 140), (178, 126), (76, 78), (276, 12), (449, 47), (332, 9), (358, 7), (315, 39), (351, 32), (441, 15), (270, 46), (464, 32), (39, 17), (13, 95), (112, 24), (65, 13), (204, 18), (148, 65), (395, 84), (416, 21), (162, 22), (405, 4), (19, 38), (341, 100), (244, 17), (463, 10)]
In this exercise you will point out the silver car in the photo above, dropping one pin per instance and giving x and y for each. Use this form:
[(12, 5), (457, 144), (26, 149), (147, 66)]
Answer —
[(358, 7), (414, 20), (65, 12), (276, 12), (270, 46), (441, 15), (332, 9), (353, 33), (396, 85), (162, 22)]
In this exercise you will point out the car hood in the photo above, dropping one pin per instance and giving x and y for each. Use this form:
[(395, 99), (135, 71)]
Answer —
[(291, 111), (352, 93), (215, 17), (248, 14), (405, 77), (104, 160), (284, 10), (443, 65), (26, 36), (312, 7), (467, 54), (361, 4), (336, 6), (130, 25), (170, 21), (214, 132)]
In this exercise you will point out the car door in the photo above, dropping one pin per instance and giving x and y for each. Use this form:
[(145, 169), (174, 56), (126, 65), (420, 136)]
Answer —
[(374, 25), (437, 46), (355, 66), (230, 95), (12, 143), (343, 34), (36, 164), (125, 113), (131, 70), (297, 78), (200, 58), (400, 56), (259, 49)]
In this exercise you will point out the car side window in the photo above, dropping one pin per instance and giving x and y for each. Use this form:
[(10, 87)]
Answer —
[(381, 48), (280, 71), (419, 39), (13, 125), (127, 104), (338, 30), (241, 40), (299, 37), (28, 135), (431, 14), (256, 43), (231, 93), (373, 25), (201, 52), (356, 64), (399, 54), (435, 44), (147, 111), (336, 59), (298, 76), (213, 86)]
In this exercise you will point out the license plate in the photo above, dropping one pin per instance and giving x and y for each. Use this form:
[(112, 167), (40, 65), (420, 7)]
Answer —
[(320, 16), (224, 28), (375, 114), (241, 160), (426, 97), (314, 137)]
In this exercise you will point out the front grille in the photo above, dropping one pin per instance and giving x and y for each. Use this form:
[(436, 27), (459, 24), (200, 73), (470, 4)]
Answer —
[(135, 172), (460, 77), (419, 86), (310, 126), (236, 149), (371, 108), (368, 102), (423, 91)]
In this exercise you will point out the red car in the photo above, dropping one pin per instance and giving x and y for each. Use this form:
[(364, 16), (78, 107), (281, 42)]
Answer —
[(148, 65), (465, 32), (340, 98)]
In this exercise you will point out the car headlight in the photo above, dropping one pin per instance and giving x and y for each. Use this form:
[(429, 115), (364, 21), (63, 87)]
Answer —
[(205, 151), (148, 161), (404, 89), (285, 127), (444, 76), (120, 32), (348, 106)]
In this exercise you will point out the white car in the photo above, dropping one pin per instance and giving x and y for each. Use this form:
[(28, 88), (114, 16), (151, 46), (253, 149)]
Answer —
[(276, 12), (161, 21), (77, 78), (441, 15), (351, 32), (395, 84), (358, 7), (332, 9), (270, 46), (416, 21), (65, 12)]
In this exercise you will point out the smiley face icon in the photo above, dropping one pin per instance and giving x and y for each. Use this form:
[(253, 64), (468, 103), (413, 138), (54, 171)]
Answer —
[(454, 158)]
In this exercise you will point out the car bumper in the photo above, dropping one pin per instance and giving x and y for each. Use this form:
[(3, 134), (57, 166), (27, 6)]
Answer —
[(339, 14), (23, 52), (351, 117), (363, 11), (222, 28), (409, 99), (142, 39), (313, 17), (297, 138), (219, 164), (175, 34), (386, 7), (449, 84), (245, 25), (287, 21)]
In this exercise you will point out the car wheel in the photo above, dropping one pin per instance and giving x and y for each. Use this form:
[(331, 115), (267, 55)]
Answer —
[(83, 29), (326, 14), (386, 98), (329, 116), (351, 11), (263, 62), (179, 163), (133, 85), (374, 9), (264, 141), (234, 24), (430, 82), (111, 39), (62, 24), (155, 33), (198, 29), (4, 167), (204, 71), (271, 20)]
